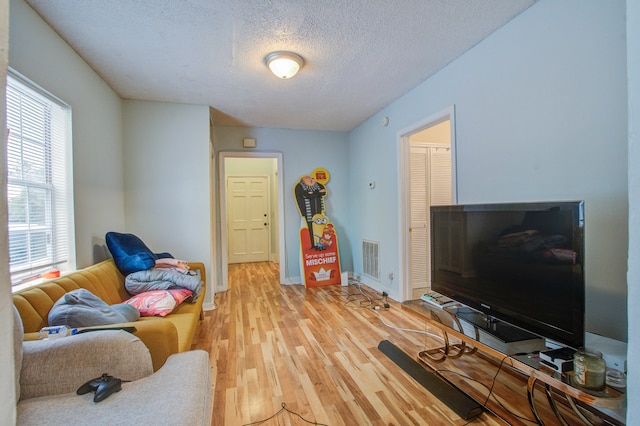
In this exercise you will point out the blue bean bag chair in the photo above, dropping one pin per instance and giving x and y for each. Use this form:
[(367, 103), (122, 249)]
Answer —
[(130, 254)]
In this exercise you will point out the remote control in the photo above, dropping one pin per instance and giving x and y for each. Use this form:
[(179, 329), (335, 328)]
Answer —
[(437, 299)]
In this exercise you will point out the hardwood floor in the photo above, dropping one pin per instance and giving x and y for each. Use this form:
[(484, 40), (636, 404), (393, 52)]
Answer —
[(315, 351)]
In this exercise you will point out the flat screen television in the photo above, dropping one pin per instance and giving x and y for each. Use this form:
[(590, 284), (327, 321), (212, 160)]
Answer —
[(521, 263)]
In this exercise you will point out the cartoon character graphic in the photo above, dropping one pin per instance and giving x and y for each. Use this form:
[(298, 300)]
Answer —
[(319, 252), (317, 228), (310, 199), (328, 236)]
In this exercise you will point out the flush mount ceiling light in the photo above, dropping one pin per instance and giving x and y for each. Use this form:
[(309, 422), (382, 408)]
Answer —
[(284, 64)]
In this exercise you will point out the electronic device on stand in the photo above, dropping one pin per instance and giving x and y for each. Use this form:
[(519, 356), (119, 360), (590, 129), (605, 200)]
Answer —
[(438, 300), (521, 263), (560, 360)]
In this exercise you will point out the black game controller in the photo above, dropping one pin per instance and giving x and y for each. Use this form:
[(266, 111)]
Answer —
[(103, 386)]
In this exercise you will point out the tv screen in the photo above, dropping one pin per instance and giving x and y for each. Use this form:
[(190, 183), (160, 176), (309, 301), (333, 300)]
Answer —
[(522, 263)]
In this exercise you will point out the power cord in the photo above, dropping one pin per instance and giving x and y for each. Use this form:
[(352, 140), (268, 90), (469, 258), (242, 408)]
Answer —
[(410, 330), (439, 372), (493, 382), (369, 302), (284, 408), (489, 388)]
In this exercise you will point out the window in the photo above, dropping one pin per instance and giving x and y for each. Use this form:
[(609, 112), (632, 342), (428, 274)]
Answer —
[(39, 189)]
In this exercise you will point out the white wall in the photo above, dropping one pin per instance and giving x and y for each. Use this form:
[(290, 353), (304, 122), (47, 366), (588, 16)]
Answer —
[(38, 53), (97, 138), (97, 126), (633, 276), (7, 391), (99, 166), (166, 180), (540, 115), (302, 152)]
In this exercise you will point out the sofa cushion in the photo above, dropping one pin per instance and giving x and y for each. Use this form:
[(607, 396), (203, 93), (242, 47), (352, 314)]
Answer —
[(178, 394), (162, 335), (52, 367), (81, 308), (158, 302)]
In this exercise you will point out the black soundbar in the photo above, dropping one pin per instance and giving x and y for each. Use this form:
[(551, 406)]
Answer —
[(458, 401)]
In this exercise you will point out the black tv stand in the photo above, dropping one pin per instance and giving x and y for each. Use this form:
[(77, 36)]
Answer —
[(503, 331), (609, 404)]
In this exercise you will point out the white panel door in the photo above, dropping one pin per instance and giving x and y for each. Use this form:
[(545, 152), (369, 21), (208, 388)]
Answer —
[(248, 218)]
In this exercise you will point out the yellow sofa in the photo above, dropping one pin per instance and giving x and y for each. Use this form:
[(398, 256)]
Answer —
[(162, 335)]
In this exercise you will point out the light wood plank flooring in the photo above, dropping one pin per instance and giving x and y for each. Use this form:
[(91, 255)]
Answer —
[(316, 352)]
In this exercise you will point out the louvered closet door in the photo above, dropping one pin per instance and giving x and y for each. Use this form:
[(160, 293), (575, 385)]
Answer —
[(441, 181), (419, 231), (430, 184)]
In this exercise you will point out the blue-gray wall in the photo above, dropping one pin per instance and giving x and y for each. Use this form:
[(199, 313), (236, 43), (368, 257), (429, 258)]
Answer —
[(541, 114), (548, 92), (302, 152), (540, 118)]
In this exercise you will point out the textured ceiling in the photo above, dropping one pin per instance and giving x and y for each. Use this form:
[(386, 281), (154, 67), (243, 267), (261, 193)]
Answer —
[(360, 55)]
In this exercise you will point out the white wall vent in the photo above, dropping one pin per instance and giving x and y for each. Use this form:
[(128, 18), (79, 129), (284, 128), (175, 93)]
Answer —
[(370, 259)]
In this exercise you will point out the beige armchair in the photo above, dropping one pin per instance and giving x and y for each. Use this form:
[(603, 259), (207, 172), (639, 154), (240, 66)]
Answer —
[(48, 373)]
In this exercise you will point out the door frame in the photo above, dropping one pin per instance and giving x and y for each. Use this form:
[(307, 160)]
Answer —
[(224, 250), (404, 198)]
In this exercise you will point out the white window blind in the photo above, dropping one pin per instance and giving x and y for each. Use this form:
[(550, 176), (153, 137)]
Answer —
[(39, 188)]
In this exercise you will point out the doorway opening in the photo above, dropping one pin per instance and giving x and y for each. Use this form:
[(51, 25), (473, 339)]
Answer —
[(251, 206), (428, 178)]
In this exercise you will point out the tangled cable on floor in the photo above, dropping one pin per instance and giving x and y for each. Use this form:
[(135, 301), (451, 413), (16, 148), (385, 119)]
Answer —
[(369, 303), (284, 408), (490, 389)]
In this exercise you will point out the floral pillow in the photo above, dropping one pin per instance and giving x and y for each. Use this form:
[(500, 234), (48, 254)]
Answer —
[(158, 302)]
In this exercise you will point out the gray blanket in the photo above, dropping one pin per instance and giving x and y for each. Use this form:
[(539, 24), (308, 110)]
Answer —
[(81, 308), (164, 279)]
